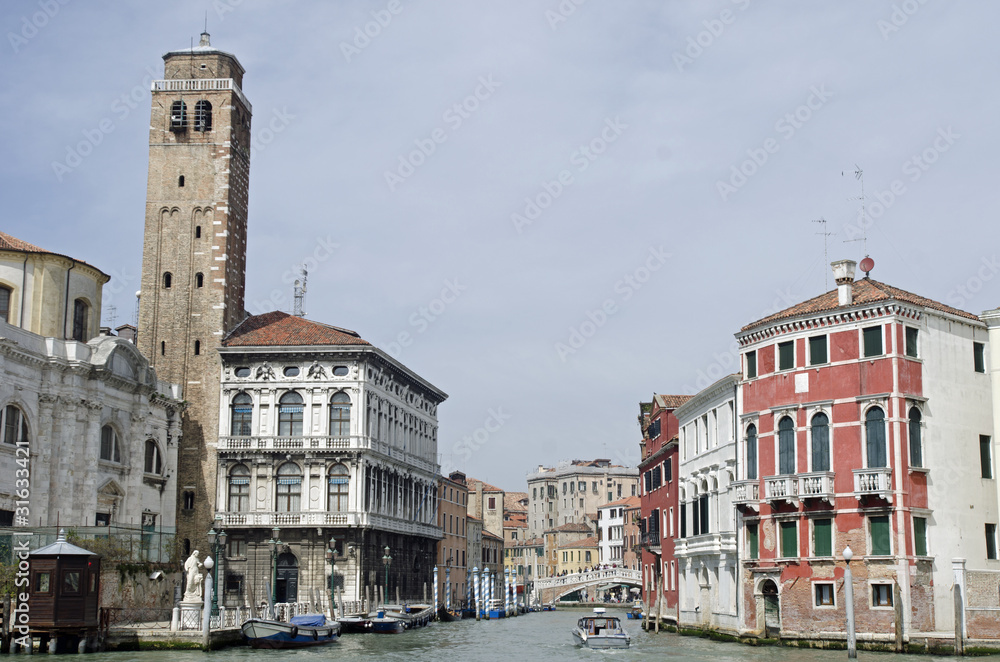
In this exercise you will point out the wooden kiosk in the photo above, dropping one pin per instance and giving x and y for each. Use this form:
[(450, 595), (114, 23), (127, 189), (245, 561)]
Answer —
[(63, 595)]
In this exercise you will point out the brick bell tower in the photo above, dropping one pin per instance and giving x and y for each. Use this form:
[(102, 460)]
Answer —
[(194, 253)]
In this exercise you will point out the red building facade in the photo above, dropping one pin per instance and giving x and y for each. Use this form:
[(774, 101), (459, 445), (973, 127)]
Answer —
[(658, 503), (852, 435)]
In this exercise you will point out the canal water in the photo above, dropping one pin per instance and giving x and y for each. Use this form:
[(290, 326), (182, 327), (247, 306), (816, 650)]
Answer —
[(543, 636)]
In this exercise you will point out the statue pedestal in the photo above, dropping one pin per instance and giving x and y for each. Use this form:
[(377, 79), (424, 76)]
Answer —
[(191, 615)]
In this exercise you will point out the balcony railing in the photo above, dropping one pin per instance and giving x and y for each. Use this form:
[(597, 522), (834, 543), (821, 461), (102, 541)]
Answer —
[(781, 488), (817, 485), (201, 85), (746, 493), (322, 443), (267, 520), (651, 539), (873, 482)]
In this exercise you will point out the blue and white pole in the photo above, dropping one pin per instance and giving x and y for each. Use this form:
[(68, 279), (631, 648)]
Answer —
[(436, 603), (506, 591), (447, 588), (475, 578)]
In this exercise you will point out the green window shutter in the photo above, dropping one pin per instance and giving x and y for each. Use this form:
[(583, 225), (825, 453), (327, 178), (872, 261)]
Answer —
[(873, 341), (751, 364), (789, 540), (822, 538), (911, 341), (920, 536), (817, 350), (754, 543), (786, 355), (985, 457), (880, 536)]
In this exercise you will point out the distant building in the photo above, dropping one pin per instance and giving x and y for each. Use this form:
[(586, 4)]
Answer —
[(82, 415), (577, 555), (486, 502), (567, 493), (526, 561), (474, 541), (493, 559), (557, 537), (633, 550), (611, 531), (325, 442), (452, 553)]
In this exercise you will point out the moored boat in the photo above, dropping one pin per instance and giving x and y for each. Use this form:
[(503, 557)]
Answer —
[(300, 632), (447, 616), (382, 623), (355, 625), (601, 631)]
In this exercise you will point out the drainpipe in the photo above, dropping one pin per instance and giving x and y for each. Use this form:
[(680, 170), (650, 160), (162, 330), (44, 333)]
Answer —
[(66, 308), (738, 521), (24, 284)]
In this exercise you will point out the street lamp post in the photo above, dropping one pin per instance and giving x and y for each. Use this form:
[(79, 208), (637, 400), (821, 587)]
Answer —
[(852, 649), (333, 570), (218, 543), (386, 560), (274, 543)]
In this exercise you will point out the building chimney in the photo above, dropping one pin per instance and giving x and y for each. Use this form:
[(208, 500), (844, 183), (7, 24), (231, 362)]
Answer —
[(843, 273)]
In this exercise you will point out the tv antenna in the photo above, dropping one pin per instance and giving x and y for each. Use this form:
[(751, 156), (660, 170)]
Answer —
[(859, 174), (299, 294), (826, 259)]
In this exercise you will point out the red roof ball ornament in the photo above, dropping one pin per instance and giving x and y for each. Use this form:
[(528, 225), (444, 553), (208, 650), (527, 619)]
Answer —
[(867, 265)]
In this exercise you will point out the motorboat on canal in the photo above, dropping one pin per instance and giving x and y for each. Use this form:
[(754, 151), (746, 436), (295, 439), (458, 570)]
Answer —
[(636, 611), (299, 632), (383, 623), (355, 625), (601, 631)]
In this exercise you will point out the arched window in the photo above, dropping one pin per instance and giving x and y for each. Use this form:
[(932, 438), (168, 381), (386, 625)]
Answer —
[(820, 442), (199, 280), (241, 414), (15, 425), (916, 443), (340, 415), (5, 303), (109, 445), (336, 496), (178, 116), (289, 488), (290, 415), (786, 446), (154, 462), (197, 347), (239, 489), (752, 452), (875, 437), (197, 232), (167, 280), (203, 116), (80, 310)]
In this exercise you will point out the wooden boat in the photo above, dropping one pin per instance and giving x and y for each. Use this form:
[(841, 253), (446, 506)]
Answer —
[(448, 616), (636, 611), (300, 632), (383, 623), (355, 625), (600, 631)]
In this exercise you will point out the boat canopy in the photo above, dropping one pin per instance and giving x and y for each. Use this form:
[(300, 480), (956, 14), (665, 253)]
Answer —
[(309, 620)]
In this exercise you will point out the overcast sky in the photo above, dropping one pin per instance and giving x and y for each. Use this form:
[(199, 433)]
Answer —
[(544, 198)]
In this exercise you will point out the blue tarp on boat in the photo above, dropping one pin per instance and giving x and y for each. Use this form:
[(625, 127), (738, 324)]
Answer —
[(309, 620)]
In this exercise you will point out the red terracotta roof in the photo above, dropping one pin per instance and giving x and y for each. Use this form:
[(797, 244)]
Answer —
[(281, 329), (490, 534), (471, 482), (571, 527), (515, 524), (864, 291), (10, 243), (670, 401), (511, 501), (583, 542), (627, 501)]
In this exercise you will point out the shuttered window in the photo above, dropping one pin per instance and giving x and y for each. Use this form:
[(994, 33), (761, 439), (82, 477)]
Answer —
[(820, 442), (817, 350), (751, 364), (786, 446), (873, 340), (822, 538), (879, 528), (753, 541), (786, 355), (920, 536), (789, 540), (875, 437), (916, 444), (752, 452)]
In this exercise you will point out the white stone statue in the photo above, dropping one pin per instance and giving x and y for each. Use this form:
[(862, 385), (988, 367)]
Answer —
[(195, 578)]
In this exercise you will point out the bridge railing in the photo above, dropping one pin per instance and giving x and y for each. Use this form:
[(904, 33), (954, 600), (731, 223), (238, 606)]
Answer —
[(623, 575)]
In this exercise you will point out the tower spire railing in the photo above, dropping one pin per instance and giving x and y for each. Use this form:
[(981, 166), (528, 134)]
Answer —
[(200, 84)]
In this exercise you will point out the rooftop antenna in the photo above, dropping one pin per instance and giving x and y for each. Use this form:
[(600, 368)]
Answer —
[(826, 258), (112, 315), (206, 20), (859, 174), (300, 294)]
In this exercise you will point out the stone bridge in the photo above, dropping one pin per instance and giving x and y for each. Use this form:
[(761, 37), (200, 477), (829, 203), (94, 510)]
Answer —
[(551, 589)]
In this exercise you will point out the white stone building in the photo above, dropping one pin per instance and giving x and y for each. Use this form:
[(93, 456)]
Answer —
[(611, 531), (705, 548), (325, 442), (81, 413), (569, 492)]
